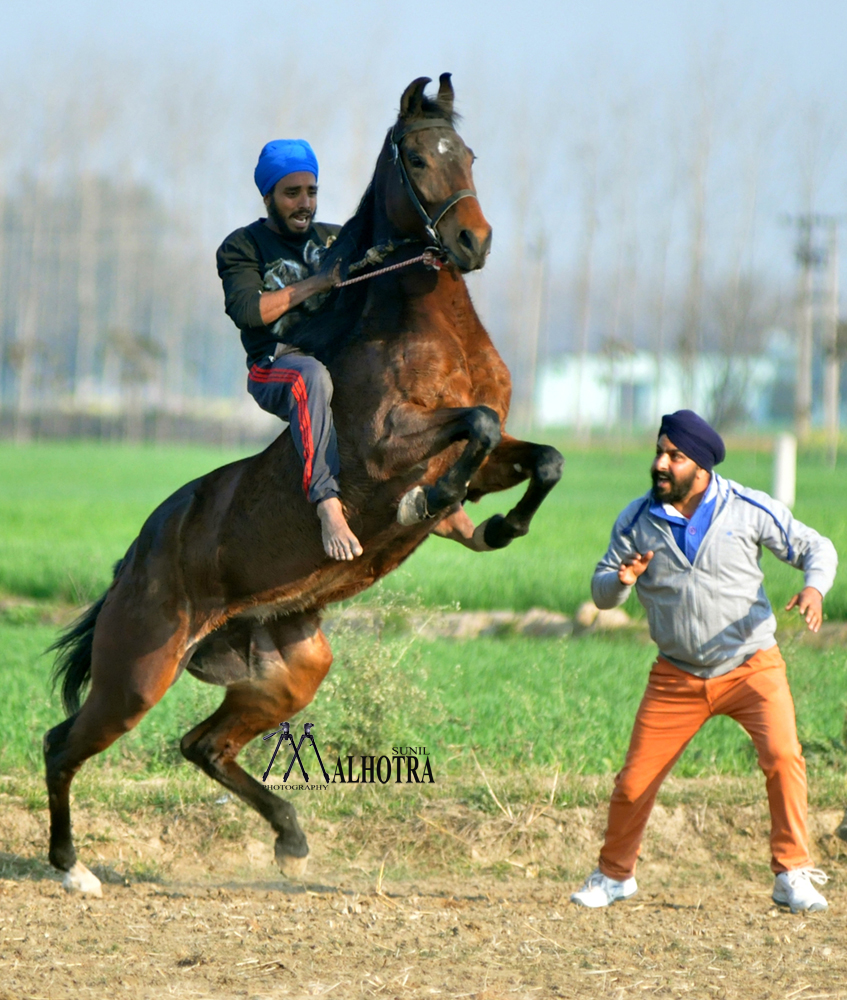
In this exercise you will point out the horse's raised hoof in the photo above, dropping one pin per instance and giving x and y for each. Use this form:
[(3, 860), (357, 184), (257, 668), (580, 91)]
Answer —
[(500, 532), (842, 827), (80, 879), (412, 509), (288, 864)]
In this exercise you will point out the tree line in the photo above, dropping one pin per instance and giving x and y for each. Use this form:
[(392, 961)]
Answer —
[(623, 221)]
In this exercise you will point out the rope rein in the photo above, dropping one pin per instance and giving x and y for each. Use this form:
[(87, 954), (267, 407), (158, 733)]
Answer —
[(427, 258)]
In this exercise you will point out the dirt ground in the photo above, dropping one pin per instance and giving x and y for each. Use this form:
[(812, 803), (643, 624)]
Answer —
[(453, 903)]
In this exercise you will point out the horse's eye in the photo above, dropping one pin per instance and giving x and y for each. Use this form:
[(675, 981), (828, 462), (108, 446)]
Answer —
[(416, 161)]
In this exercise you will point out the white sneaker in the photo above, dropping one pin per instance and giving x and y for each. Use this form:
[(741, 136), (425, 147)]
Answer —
[(795, 890), (599, 890)]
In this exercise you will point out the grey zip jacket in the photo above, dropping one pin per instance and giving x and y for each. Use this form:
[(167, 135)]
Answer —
[(709, 617)]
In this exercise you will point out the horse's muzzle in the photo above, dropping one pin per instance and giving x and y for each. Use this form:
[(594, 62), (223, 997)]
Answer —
[(469, 251)]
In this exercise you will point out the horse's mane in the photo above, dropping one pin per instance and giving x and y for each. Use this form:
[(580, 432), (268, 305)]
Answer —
[(324, 334), (356, 236), (431, 107)]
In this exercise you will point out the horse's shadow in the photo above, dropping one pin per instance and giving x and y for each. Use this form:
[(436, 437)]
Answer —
[(18, 868)]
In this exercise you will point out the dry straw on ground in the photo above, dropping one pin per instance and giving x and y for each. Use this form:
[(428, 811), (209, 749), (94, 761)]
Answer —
[(455, 902)]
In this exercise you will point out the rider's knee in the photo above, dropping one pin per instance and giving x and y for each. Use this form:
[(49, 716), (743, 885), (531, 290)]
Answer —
[(317, 379)]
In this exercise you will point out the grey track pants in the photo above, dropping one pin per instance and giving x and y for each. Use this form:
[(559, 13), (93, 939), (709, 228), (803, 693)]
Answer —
[(297, 388)]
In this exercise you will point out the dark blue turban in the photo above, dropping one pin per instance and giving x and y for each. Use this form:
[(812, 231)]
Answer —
[(694, 437), (280, 158)]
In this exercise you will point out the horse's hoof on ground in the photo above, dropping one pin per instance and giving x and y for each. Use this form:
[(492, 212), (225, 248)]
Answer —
[(412, 509), (290, 866), (80, 879), (842, 828)]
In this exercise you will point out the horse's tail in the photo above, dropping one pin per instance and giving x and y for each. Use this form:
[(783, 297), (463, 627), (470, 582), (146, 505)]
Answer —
[(74, 645)]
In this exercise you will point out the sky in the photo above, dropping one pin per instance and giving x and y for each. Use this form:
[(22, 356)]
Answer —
[(543, 87), (546, 55), (801, 43)]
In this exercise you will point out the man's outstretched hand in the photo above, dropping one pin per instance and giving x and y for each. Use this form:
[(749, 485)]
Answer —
[(633, 567), (809, 602)]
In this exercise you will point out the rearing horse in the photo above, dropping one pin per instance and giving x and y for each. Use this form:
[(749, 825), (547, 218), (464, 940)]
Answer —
[(227, 578)]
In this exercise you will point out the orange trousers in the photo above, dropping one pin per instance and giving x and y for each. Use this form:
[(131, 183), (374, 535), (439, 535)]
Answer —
[(674, 707)]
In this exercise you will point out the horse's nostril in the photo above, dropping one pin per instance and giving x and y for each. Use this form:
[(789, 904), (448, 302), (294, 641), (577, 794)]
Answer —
[(467, 239)]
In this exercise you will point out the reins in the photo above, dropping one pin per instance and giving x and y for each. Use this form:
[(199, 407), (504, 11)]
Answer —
[(431, 257), (427, 258)]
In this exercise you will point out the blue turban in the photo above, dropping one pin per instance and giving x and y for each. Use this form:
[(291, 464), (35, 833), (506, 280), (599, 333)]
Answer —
[(280, 158), (694, 437)]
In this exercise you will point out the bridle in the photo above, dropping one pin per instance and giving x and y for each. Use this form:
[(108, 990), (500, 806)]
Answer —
[(430, 221), (436, 252)]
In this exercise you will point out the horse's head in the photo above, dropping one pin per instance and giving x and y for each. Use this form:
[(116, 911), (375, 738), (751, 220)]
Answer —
[(429, 187)]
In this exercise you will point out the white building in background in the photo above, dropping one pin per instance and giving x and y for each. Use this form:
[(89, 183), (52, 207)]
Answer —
[(629, 392)]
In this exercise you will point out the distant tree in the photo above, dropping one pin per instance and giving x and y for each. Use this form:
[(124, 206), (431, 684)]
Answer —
[(738, 314)]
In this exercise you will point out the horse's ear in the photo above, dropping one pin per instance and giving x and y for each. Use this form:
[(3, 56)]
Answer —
[(445, 94), (410, 102)]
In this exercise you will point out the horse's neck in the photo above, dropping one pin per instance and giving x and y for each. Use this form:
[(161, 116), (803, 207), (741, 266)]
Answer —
[(414, 301), (409, 301)]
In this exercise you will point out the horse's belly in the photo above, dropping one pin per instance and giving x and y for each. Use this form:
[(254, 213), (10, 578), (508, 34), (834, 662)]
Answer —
[(242, 650)]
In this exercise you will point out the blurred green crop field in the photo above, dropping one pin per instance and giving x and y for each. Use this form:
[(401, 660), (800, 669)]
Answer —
[(519, 703), (68, 512)]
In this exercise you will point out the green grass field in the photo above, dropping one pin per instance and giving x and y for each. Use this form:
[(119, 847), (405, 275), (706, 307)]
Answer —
[(519, 703), (67, 512)]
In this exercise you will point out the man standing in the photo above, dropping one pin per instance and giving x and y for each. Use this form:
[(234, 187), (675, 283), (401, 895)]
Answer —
[(271, 277), (691, 547)]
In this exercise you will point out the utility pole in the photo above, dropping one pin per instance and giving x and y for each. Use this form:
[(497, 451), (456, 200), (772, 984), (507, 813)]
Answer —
[(808, 257), (585, 289), (537, 256), (812, 257), (831, 373)]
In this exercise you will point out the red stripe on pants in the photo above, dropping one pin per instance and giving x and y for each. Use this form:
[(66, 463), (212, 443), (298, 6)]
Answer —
[(290, 376)]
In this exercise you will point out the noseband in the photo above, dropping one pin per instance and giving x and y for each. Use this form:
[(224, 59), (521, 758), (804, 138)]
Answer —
[(430, 221)]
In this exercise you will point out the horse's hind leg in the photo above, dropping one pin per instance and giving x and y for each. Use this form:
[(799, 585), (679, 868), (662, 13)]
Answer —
[(283, 662), (131, 668)]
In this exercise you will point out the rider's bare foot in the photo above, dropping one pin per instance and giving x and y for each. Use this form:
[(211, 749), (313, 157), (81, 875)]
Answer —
[(339, 541)]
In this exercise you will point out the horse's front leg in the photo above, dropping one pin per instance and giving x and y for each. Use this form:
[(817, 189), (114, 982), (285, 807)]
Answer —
[(480, 427), (510, 463)]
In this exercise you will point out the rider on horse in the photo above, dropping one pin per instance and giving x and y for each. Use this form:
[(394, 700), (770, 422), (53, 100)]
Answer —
[(270, 274)]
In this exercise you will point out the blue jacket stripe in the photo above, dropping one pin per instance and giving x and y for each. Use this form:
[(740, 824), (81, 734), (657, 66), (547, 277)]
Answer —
[(628, 529), (776, 521)]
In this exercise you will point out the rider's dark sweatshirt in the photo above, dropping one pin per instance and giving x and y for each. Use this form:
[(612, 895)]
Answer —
[(255, 259)]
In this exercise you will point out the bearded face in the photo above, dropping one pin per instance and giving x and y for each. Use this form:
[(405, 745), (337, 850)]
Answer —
[(670, 486), (292, 203), (673, 473)]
